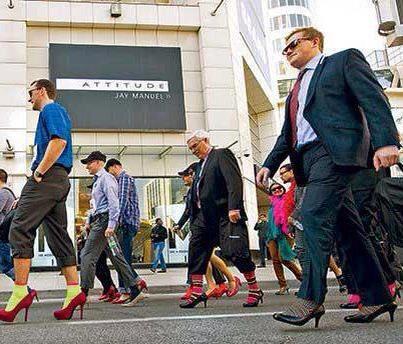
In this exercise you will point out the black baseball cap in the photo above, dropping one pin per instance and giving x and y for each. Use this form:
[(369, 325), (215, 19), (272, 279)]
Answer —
[(188, 170), (97, 155)]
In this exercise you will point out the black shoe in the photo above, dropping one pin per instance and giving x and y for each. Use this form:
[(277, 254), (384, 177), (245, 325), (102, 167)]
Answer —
[(162, 271), (194, 301), (367, 318), (348, 305), (261, 266), (300, 321), (153, 270), (258, 298)]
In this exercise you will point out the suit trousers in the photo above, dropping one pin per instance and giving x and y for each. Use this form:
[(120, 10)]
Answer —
[(328, 212), (201, 246), (95, 245)]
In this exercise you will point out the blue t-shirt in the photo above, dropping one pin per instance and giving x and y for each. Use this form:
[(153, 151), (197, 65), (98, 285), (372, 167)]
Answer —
[(53, 122)]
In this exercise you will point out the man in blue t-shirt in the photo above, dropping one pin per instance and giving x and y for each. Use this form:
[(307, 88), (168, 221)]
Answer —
[(43, 200)]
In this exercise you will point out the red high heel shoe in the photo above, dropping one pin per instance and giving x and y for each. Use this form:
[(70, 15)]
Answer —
[(234, 291), (67, 313), (221, 290), (25, 303)]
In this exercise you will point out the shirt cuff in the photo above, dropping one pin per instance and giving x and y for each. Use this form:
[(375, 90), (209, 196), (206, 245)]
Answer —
[(112, 224)]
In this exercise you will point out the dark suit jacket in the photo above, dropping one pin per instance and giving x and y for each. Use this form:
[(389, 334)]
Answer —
[(220, 187), (348, 111), (187, 212)]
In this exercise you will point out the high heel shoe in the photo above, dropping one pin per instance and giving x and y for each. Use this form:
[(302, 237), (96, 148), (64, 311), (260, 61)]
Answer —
[(283, 291), (25, 303), (257, 297), (367, 318), (221, 290), (300, 321), (194, 301), (342, 284), (232, 292), (67, 313)]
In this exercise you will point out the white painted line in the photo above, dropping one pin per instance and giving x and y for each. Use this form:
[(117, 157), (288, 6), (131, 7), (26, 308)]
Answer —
[(190, 317)]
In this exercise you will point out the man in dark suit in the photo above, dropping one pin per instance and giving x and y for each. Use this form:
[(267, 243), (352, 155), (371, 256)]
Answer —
[(337, 119), (218, 218)]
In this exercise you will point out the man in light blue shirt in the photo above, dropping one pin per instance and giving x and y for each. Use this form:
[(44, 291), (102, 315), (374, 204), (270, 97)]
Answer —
[(102, 223)]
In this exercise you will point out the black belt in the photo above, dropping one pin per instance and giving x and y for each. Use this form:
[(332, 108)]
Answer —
[(95, 217), (68, 170)]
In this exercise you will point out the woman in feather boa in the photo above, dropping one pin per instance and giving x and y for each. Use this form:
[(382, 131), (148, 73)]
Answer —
[(276, 238)]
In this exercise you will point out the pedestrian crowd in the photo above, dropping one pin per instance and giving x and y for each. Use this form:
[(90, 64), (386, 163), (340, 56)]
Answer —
[(341, 140)]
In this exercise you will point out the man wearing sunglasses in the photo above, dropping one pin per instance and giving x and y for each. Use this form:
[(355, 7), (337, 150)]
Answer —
[(337, 120), (43, 200)]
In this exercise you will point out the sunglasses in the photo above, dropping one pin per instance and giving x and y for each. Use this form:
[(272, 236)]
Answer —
[(31, 91), (284, 172), (276, 189), (293, 44)]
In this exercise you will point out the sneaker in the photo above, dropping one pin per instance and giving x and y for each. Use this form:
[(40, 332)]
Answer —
[(153, 270), (133, 300), (162, 271), (121, 299)]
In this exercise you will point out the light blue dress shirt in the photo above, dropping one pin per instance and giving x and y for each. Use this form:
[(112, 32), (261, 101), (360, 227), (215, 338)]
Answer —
[(305, 133), (105, 197)]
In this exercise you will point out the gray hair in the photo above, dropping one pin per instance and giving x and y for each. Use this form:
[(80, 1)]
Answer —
[(199, 135)]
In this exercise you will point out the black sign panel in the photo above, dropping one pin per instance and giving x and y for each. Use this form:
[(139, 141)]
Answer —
[(118, 87)]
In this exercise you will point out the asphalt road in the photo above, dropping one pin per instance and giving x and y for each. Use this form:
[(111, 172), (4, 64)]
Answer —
[(158, 319)]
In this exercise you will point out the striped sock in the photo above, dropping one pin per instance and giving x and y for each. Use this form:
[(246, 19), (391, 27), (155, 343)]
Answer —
[(196, 286), (253, 288)]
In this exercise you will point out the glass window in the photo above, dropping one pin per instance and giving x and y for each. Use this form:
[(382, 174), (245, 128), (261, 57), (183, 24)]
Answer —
[(274, 3), (283, 23), (291, 2), (293, 18), (399, 5), (283, 2), (300, 21)]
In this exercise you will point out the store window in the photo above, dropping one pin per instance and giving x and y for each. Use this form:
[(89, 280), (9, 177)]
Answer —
[(281, 3)]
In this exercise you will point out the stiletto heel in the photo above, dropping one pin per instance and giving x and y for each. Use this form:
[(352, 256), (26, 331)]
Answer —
[(234, 291), (67, 313), (317, 318), (254, 298), (25, 303), (392, 314)]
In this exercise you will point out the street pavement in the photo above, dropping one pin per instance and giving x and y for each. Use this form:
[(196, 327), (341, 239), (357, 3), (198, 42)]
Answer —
[(158, 319)]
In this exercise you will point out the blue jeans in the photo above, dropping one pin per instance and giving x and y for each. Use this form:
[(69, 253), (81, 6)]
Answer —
[(158, 255), (125, 237), (6, 263)]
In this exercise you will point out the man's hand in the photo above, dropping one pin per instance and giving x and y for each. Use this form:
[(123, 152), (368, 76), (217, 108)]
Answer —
[(234, 215), (109, 232), (37, 179), (386, 157), (262, 178), (15, 203)]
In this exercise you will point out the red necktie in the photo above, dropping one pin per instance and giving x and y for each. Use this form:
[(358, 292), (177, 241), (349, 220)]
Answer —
[(293, 107)]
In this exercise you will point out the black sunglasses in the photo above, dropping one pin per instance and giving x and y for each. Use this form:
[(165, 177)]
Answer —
[(293, 44), (278, 188), (30, 92)]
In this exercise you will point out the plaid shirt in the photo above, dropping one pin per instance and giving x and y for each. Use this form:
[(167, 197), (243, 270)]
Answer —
[(128, 201)]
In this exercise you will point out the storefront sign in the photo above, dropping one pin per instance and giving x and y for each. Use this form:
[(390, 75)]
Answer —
[(251, 25), (119, 88)]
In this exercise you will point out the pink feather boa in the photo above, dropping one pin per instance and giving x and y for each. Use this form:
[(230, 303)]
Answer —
[(278, 213)]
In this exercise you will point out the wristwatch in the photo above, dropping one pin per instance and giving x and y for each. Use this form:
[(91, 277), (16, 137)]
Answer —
[(38, 174)]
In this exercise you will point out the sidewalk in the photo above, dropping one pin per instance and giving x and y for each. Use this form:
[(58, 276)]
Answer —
[(174, 280)]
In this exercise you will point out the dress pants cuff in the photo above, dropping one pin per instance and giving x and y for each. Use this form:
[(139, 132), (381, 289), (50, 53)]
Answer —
[(23, 253), (66, 261)]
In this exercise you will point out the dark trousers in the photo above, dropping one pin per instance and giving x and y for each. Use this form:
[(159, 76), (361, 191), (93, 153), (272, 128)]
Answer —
[(45, 203), (102, 271), (202, 243), (328, 211), (363, 187), (263, 251)]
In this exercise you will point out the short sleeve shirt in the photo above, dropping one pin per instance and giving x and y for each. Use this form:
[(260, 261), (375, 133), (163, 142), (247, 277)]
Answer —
[(53, 122)]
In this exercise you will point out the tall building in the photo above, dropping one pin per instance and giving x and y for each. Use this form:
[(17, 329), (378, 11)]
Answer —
[(285, 15)]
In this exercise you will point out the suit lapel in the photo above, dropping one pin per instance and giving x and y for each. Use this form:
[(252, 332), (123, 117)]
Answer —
[(206, 165), (314, 81)]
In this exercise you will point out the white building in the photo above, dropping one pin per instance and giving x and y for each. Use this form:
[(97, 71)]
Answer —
[(284, 16), (222, 83)]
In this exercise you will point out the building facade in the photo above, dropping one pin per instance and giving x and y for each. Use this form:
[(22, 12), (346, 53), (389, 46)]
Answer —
[(212, 71)]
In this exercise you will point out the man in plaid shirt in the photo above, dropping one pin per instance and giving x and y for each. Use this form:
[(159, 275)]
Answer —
[(129, 217)]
